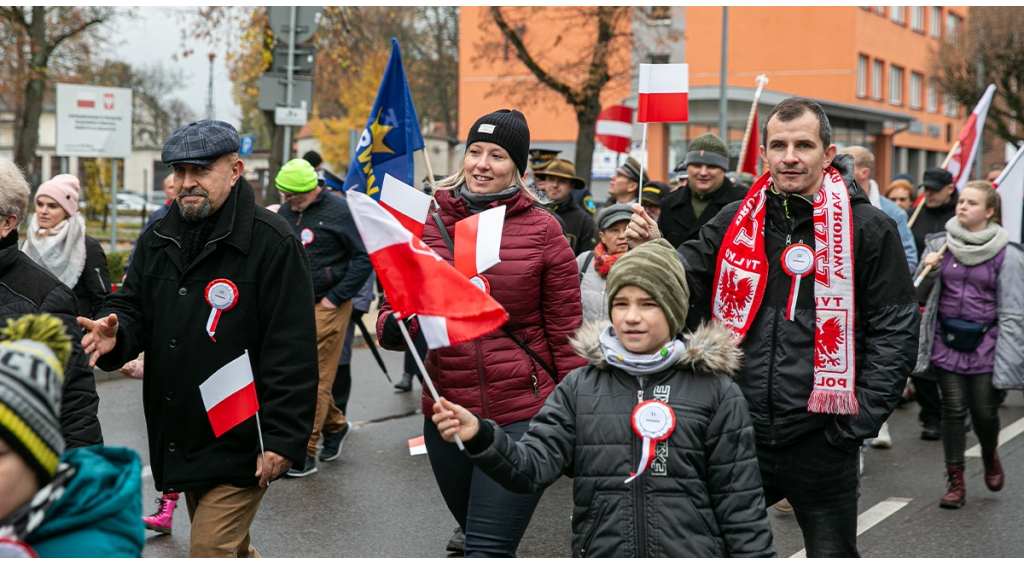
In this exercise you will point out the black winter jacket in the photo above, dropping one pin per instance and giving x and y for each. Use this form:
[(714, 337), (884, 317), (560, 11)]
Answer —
[(702, 496), (579, 225), (338, 261), (94, 283), (677, 222), (26, 287), (931, 221), (777, 374), (162, 310)]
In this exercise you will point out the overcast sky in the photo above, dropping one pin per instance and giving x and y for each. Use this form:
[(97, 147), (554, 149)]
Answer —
[(154, 37)]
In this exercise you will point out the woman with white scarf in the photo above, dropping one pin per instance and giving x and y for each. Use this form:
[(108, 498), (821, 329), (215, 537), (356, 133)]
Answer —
[(972, 328), (56, 240)]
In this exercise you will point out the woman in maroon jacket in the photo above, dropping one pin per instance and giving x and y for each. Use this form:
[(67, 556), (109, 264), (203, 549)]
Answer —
[(493, 376)]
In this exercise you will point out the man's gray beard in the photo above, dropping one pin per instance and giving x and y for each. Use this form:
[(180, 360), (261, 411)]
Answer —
[(194, 213)]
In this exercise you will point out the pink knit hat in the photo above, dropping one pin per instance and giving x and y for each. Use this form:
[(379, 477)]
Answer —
[(63, 188)]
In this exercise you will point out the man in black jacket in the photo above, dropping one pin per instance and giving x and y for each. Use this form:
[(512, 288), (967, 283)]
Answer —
[(26, 287), (559, 180), (338, 266), (811, 458), (216, 248)]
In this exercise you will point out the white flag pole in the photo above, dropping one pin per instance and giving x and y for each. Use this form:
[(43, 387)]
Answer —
[(643, 163), (423, 370), (259, 431)]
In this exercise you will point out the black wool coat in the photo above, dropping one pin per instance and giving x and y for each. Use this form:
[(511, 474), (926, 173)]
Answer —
[(578, 226), (677, 222), (162, 310)]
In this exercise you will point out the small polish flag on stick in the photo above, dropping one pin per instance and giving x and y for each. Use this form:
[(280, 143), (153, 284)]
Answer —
[(478, 241), (230, 396), (417, 446), (409, 205), (664, 93)]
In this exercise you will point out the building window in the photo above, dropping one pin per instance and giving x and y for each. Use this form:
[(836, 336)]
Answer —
[(896, 14), (916, 81), (953, 23), (895, 85), (876, 80), (936, 23), (933, 97), (659, 15), (880, 10), (917, 18), (862, 76), (952, 109), (658, 59)]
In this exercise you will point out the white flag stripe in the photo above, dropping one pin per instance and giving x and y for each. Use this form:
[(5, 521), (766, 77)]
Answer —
[(1011, 192), (664, 79), (488, 238), (615, 128), (230, 378), (377, 227), (982, 112), (404, 199), (435, 331)]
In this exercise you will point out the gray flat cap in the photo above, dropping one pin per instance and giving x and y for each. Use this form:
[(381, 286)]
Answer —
[(200, 142), (613, 214)]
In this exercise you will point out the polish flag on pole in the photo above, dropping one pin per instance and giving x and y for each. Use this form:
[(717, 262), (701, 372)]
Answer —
[(409, 205), (664, 93), (230, 395), (750, 156), (1010, 185), (450, 309), (969, 140), (615, 128), (478, 241)]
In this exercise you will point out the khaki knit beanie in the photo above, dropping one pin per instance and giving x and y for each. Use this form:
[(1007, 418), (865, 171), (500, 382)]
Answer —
[(708, 149), (654, 267)]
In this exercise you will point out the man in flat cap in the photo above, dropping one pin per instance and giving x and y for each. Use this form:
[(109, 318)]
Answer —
[(624, 184), (218, 280)]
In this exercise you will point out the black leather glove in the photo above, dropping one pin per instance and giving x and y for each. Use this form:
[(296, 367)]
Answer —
[(391, 335)]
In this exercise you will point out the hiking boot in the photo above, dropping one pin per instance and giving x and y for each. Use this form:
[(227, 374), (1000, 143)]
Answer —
[(993, 471), (310, 468), (161, 520), (457, 542), (405, 384), (954, 498), (332, 443), (884, 439)]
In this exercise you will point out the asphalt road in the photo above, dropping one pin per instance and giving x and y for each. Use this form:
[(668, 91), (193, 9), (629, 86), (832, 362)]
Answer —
[(378, 501)]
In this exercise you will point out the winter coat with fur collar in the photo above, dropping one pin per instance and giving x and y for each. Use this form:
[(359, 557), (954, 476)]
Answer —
[(702, 495)]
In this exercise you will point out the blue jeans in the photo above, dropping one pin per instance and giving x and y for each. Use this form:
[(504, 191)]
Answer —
[(493, 518), (820, 481)]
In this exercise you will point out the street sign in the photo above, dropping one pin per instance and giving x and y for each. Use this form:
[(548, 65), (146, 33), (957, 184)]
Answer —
[(93, 121), (614, 128), (273, 93), (303, 63), (246, 147), (290, 116), (307, 20)]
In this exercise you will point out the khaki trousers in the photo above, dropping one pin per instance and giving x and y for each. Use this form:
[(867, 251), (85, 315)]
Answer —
[(331, 325), (220, 520)]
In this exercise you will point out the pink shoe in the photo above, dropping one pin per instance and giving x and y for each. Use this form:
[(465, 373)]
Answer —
[(162, 519)]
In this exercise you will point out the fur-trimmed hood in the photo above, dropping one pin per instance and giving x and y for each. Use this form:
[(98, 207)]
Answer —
[(709, 349)]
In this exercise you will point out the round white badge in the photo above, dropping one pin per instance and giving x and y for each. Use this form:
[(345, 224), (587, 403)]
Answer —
[(221, 295), (481, 282), (306, 236), (654, 420), (798, 259)]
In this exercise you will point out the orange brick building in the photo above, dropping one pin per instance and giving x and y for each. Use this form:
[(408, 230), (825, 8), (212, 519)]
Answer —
[(869, 67)]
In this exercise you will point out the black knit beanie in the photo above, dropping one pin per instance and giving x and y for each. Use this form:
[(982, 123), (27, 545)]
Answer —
[(507, 129)]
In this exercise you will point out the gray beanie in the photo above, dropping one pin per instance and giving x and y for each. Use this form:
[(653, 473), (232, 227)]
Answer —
[(708, 149), (654, 267)]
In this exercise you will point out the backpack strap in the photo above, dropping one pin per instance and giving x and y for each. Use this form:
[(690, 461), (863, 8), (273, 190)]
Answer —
[(586, 264)]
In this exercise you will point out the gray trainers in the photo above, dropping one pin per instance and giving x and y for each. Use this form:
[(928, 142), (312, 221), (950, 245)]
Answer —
[(332, 443), (309, 469)]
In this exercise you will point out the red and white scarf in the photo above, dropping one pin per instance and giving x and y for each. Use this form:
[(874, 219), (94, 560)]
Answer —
[(742, 274)]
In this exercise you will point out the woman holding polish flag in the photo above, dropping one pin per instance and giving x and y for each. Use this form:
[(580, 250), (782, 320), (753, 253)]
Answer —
[(507, 374)]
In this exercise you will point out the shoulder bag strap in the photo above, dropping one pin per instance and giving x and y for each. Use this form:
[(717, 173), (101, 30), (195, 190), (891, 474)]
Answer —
[(586, 264)]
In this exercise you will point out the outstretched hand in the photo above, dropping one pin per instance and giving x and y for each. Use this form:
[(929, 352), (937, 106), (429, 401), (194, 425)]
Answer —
[(452, 418), (100, 336), (641, 229)]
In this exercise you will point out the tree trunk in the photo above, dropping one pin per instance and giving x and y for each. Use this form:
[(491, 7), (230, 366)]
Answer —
[(586, 119), (28, 137), (270, 194)]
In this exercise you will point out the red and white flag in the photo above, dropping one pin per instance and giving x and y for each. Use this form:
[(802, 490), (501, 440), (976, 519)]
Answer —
[(409, 205), (417, 446), (969, 140), (417, 281), (751, 156), (664, 93), (615, 128), (1010, 185), (85, 99), (230, 395), (478, 241)]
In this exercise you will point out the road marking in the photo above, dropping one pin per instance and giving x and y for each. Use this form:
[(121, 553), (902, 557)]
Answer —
[(1005, 435), (872, 517), (147, 471)]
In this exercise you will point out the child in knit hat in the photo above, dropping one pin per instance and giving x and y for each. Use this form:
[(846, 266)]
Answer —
[(84, 502), (654, 430)]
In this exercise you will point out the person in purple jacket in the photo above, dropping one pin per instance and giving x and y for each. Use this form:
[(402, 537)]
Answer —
[(972, 328)]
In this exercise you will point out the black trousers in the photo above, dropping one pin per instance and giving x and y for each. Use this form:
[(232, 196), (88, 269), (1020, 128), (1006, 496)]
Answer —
[(927, 395), (960, 394)]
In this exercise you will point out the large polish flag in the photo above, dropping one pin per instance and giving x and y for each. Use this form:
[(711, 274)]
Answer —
[(478, 241), (409, 205), (230, 395), (417, 281), (970, 140), (1010, 186), (664, 93)]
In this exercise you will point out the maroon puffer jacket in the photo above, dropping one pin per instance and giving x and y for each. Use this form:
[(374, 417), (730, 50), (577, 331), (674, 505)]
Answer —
[(538, 284)]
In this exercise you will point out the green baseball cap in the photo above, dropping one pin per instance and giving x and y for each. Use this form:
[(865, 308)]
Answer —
[(296, 176)]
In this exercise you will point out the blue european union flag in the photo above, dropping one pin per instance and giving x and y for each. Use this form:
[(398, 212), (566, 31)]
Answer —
[(391, 136)]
